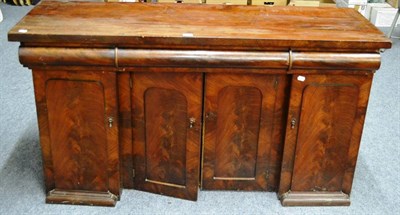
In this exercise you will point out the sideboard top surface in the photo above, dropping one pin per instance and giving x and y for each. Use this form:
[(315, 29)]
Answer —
[(192, 26)]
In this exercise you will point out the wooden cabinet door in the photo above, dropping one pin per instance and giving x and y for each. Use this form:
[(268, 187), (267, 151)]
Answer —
[(323, 133), (79, 136), (167, 128), (243, 131)]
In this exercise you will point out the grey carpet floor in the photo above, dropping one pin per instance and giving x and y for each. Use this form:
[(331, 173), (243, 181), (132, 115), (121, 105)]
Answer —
[(375, 188)]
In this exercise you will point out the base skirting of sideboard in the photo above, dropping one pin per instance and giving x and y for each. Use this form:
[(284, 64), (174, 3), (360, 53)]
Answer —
[(315, 199), (58, 196)]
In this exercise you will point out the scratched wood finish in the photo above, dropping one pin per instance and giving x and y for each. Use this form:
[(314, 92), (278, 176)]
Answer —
[(212, 26), (316, 199), (240, 113), (81, 197), (166, 147), (321, 147), (80, 150)]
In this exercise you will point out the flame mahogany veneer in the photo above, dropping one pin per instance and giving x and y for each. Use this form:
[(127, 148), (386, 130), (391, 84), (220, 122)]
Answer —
[(167, 98)]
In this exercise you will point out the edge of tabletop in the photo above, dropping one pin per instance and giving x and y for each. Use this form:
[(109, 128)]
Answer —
[(373, 41)]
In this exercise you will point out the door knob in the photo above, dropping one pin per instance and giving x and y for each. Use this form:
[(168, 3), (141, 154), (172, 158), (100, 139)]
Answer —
[(293, 123), (110, 122)]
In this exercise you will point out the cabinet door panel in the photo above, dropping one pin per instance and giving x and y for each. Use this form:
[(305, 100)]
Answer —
[(324, 126), (328, 114), (166, 142), (77, 134), (165, 136), (239, 110), (79, 143), (242, 142)]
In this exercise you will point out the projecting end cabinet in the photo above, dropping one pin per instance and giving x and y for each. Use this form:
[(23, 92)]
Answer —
[(221, 97)]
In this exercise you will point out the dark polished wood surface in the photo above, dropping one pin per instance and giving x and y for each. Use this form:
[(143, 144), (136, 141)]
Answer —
[(79, 146), (323, 132), (77, 133), (147, 96), (125, 129), (239, 141), (125, 58), (198, 26), (167, 132)]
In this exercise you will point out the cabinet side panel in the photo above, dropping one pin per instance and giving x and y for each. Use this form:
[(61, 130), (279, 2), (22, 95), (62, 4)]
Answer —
[(76, 111), (325, 130), (165, 123), (238, 125), (39, 81)]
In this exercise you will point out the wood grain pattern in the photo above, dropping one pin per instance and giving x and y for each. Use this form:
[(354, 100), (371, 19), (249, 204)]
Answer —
[(125, 128), (327, 116), (145, 66), (212, 26), (205, 47), (77, 134), (121, 58), (239, 113), (316, 199), (321, 149), (80, 152), (202, 58), (59, 196), (166, 128), (166, 149), (240, 116), (48, 56), (335, 61)]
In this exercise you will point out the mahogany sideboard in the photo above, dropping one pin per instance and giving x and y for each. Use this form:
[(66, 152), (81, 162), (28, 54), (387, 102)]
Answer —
[(167, 98)]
